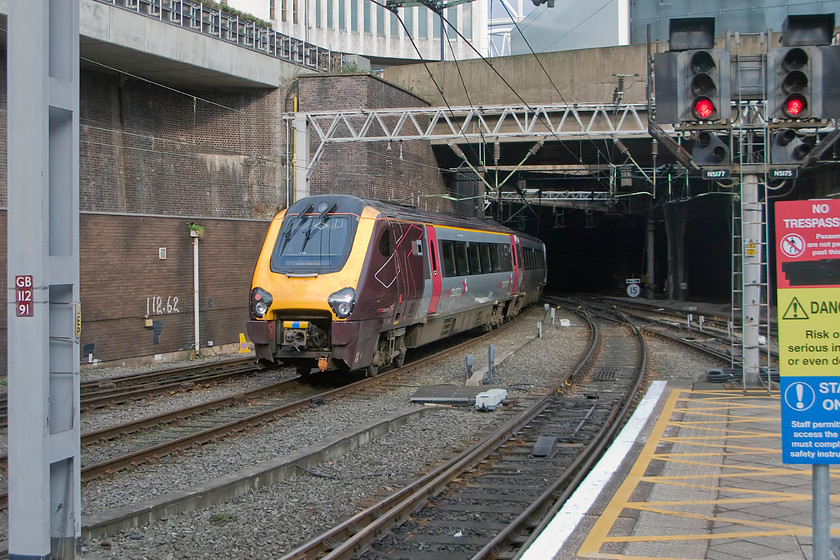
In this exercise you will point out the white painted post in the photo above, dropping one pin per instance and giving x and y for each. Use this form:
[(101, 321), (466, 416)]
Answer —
[(195, 294)]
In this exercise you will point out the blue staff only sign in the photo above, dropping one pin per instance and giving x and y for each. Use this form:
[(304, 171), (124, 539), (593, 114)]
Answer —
[(808, 299)]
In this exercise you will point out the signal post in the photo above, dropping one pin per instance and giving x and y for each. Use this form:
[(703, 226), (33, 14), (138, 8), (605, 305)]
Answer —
[(749, 120)]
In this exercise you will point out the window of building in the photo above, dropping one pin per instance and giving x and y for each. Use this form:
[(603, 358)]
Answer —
[(271, 10), (436, 20), (408, 18), (451, 15), (423, 24), (283, 10), (354, 15), (395, 25), (467, 21), (295, 11), (380, 21), (317, 13), (366, 16), (330, 22)]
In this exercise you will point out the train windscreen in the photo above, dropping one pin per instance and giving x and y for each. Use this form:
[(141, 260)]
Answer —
[(313, 244)]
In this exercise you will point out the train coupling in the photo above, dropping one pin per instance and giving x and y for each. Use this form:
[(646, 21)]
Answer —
[(300, 335), (295, 334)]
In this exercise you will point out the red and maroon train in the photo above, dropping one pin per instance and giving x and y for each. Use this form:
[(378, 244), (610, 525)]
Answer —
[(344, 283)]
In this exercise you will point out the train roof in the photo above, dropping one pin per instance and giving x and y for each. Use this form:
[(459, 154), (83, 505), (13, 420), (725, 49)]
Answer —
[(355, 205)]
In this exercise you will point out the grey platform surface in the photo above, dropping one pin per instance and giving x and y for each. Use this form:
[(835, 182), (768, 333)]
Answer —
[(706, 482)]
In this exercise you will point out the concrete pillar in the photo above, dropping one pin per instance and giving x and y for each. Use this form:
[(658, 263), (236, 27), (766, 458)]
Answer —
[(43, 253), (675, 222), (302, 160)]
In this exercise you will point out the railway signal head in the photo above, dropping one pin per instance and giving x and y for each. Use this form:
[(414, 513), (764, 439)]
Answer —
[(692, 80), (702, 85), (787, 148), (693, 86), (791, 70), (710, 150), (802, 75)]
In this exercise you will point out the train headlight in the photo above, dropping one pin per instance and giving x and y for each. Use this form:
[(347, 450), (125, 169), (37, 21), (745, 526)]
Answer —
[(342, 302), (260, 302)]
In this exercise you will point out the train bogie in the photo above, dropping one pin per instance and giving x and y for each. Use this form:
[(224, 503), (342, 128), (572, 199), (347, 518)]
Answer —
[(344, 283)]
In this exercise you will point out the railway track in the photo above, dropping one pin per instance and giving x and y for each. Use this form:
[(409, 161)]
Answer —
[(108, 451), (100, 393), (484, 502), (705, 337)]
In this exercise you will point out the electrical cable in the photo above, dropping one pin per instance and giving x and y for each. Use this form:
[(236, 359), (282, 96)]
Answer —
[(428, 70), (142, 79)]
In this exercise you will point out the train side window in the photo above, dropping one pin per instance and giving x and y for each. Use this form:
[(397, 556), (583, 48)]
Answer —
[(385, 243), (507, 258), (461, 262), (447, 255), (484, 255), (494, 257), (475, 260)]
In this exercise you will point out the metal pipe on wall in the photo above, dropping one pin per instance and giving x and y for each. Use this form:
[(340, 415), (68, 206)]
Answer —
[(195, 294)]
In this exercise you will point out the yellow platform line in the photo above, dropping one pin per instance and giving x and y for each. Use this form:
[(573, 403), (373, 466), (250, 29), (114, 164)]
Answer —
[(744, 449), (771, 494), (600, 533), (751, 469)]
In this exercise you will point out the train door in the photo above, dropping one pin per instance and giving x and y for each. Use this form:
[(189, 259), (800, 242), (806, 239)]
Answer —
[(434, 262), (514, 255), (409, 245)]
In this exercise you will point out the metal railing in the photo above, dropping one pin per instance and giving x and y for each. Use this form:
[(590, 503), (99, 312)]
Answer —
[(195, 16)]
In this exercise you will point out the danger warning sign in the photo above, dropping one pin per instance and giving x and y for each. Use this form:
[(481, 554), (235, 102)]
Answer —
[(808, 250), (808, 300)]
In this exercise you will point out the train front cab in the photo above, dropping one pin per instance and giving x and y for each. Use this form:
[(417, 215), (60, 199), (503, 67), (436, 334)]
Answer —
[(305, 283)]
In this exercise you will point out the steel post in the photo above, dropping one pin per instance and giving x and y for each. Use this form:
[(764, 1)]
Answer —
[(43, 252), (752, 266)]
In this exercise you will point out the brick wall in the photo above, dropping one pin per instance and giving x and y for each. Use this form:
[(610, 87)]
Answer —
[(153, 160), (124, 281), (145, 149), (377, 170)]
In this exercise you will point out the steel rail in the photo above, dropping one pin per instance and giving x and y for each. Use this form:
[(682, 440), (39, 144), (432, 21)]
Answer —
[(550, 502), (356, 533), (214, 433), (101, 392)]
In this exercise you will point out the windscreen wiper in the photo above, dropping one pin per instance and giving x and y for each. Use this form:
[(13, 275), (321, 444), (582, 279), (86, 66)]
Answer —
[(294, 228), (322, 217)]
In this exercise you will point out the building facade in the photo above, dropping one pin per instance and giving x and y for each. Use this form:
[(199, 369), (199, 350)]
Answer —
[(576, 25), (370, 30)]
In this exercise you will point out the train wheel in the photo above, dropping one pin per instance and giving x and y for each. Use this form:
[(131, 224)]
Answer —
[(399, 359)]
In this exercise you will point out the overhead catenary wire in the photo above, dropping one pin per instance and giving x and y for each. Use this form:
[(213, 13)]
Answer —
[(502, 78), (600, 153), (426, 66)]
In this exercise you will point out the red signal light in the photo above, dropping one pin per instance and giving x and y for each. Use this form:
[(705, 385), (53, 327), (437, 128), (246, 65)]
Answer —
[(703, 108), (794, 105)]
